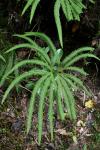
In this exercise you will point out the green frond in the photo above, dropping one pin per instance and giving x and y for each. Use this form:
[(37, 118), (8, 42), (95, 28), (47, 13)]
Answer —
[(10, 63), (82, 56), (23, 45), (50, 112), (41, 107), (20, 78), (76, 53), (27, 39), (72, 9), (71, 100), (64, 8), (45, 38), (34, 6), (57, 57), (59, 99), (32, 100), (69, 11), (26, 45), (66, 99), (76, 69), (2, 58), (69, 82), (78, 82), (79, 3), (76, 10), (92, 1), (21, 64), (28, 4), (75, 7), (57, 20)]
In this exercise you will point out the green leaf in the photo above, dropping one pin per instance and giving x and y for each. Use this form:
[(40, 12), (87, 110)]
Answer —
[(82, 56), (68, 9), (92, 1), (76, 53), (19, 79), (51, 111), (34, 6), (28, 4), (66, 100), (2, 58), (59, 99), (27, 39), (78, 82), (43, 37), (26, 45), (56, 58), (57, 20), (70, 83), (21, 64), (64, 8), (32, 101), (76, 69), (70, 100), (41, 107)]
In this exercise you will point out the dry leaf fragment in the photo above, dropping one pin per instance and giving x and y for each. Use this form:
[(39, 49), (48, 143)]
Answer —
[(61, 131)]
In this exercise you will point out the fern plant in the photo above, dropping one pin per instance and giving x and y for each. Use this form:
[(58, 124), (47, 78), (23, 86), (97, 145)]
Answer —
[(71, 9), (55, 79)]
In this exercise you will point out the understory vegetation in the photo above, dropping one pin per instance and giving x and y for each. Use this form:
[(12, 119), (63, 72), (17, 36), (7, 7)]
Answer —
[(49, 74)]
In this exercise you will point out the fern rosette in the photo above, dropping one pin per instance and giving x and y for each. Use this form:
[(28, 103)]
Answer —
[(55, 79)]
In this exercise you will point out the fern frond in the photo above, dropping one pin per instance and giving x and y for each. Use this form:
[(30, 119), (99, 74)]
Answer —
[(32, 100), (72, 9), (45, 38), (79, 3), (57, 57), (76, 69), (78, 82), (76, 7), (66, 100), (76, 10), (9, 63), (57, 20), (21, 64), (92, 1), (82, 56), (69, 11), (50, 112), (64, 8), (27, 39), (76, 53), (59, 99), (2, 58), (34, 6), (69, 82), (20, 78), (26, 45), (28, 4), (71, 99), (41, 107)]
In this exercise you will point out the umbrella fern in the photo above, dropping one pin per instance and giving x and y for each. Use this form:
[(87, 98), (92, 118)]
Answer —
[(55, 79)]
